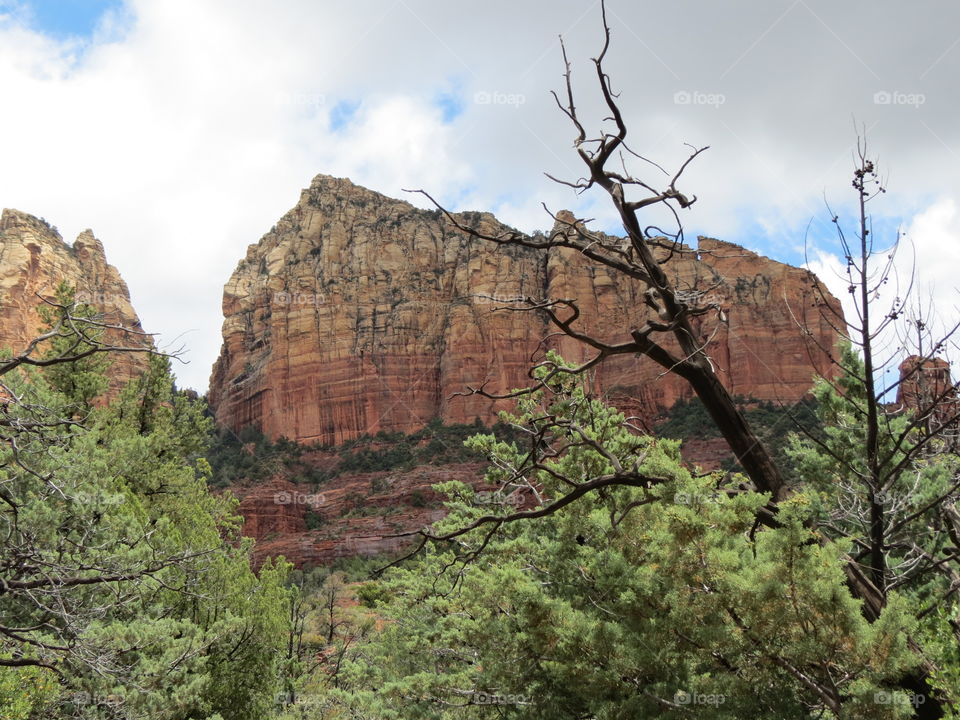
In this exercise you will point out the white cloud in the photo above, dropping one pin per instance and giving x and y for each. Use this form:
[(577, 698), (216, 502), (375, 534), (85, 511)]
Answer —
[(934, 237), (924, 273), (832, 272), (396, 143)]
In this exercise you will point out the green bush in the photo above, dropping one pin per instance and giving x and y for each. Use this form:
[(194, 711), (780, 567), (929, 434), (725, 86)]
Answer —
[(372, 594), (313, 520)]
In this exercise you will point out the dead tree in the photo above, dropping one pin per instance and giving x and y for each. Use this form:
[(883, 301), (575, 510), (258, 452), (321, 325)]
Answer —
[(84, 336), (642, 258), (903, 523)]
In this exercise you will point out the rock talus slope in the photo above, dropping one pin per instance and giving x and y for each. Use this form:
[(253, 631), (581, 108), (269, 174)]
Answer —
[(353, 519), (358, 313)]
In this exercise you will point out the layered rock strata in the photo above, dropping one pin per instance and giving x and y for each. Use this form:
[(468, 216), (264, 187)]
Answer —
[(357, 514), (358, 313), (34, 260)]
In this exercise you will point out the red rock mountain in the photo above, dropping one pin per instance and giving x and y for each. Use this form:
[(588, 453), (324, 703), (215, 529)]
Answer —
[(358, 313), (34, 259)]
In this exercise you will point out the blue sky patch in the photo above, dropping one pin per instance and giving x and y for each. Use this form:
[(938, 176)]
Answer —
[(450, 100), (342, 113), (450, 104), (61, 19)]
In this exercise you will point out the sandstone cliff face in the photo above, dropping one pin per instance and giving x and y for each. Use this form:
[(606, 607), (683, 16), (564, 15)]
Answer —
[(358, 313), (34, 259)]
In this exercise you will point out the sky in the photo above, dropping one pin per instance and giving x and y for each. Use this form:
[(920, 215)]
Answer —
[(180, 131)]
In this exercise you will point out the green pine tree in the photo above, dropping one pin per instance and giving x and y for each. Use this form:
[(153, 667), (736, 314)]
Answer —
[(656, 600)]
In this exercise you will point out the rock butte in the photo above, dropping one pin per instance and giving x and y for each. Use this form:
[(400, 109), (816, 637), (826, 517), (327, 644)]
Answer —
[(34, 259), (358, 313)]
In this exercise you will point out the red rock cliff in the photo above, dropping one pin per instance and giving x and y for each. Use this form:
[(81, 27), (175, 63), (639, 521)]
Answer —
[(34, 259), (358, 313)]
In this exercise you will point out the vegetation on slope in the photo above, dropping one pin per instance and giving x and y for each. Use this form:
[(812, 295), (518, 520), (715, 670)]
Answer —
[(249, 456), (773, 423), (127, 593)]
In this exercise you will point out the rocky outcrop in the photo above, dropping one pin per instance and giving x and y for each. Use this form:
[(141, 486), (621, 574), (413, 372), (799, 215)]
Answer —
[(927, 388), (358, 313), (925, 382), (34, 260)]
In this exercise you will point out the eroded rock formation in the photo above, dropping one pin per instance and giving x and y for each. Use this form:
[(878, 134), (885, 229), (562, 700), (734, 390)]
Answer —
[(358, 313), (34, 259)]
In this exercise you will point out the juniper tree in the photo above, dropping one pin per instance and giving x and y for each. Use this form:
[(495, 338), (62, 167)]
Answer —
[(637, 601), (125, 589)]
